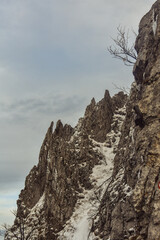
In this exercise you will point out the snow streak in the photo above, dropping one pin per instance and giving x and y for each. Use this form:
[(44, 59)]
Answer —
[(79, 225)]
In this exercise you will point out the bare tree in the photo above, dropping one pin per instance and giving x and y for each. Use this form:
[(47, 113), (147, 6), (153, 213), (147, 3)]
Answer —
[(122, 50), (19, 231), (126, 90), (8, 229)]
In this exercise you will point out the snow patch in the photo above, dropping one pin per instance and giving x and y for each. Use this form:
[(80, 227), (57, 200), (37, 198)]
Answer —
[(154, 22), (79, 225), (77, 131), (127, 190), (131, 134)]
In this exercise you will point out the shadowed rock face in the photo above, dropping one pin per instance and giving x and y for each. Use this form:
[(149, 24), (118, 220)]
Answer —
[(98, 117), (66, 160), (130, 208)]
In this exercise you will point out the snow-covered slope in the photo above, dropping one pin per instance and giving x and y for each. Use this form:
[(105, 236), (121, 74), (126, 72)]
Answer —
[(78, 227)]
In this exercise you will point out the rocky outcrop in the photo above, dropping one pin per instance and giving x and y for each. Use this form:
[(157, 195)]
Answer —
[(130, 208), (98, 117), (66, 161)]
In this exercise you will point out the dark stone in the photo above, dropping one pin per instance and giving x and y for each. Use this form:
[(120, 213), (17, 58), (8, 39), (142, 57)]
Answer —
[(139, 121)]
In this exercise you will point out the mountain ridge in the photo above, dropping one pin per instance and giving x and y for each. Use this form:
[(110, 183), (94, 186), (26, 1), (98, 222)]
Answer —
[(66, 160), (100, 179)]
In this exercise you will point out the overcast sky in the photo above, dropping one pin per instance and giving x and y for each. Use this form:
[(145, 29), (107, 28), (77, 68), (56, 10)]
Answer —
[(53, 60)]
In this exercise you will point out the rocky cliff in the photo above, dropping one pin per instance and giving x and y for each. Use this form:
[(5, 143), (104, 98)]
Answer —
[(100, 179), (69, 173), (130, 208)]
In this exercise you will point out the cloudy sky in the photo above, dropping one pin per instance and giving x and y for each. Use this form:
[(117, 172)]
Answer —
[(53, 60)]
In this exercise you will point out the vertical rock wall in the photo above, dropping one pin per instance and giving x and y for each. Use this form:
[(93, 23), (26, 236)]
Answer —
[(130, 208)]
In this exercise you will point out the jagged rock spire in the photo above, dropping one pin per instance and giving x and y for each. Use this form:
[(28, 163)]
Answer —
[(66, 160)]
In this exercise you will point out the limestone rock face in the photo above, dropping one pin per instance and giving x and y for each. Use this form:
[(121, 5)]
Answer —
[(98, 117), (66, 161), (130, 208)]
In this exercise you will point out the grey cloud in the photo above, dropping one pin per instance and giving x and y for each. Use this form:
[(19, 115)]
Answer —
[(59, 34), (50, 105), (11, 176)]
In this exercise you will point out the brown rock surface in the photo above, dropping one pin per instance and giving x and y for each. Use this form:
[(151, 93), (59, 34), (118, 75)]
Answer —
[(130, 208)]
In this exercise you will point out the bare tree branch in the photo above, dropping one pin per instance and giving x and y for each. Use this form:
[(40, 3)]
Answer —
[(21, 232), (8, 228), (123, 89), (121, 49)]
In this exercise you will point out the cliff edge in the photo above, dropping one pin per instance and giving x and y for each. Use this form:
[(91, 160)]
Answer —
[(130, 208)]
